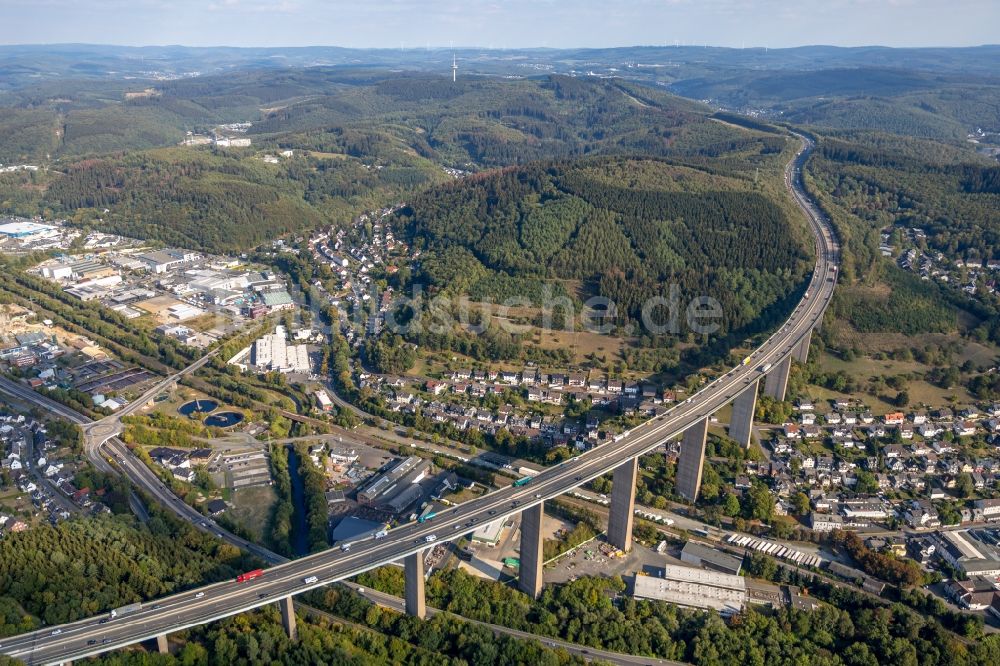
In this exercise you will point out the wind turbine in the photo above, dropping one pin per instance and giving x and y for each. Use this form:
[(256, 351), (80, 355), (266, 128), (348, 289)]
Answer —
[(454, 68)]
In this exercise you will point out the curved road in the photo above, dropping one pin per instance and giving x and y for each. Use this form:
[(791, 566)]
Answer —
[(73, 641)]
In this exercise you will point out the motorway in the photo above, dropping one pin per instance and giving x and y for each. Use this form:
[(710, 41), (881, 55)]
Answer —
[(95, 635), (137, 471), (141, 475)]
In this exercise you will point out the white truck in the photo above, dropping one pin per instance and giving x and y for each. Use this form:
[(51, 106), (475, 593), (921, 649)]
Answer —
[(122, 611)]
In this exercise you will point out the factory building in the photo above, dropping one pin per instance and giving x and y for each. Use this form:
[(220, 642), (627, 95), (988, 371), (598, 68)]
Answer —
[(694, 588)]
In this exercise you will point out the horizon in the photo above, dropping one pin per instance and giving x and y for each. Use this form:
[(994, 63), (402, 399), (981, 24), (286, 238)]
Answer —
[(514, 24), (469, 47)]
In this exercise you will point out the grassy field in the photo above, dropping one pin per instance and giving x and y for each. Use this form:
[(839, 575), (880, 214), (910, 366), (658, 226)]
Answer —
[(921, 392), (13, 501), (251, 507)]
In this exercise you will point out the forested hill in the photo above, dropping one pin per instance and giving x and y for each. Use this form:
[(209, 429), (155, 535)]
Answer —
[(357, 143), (626, 228)]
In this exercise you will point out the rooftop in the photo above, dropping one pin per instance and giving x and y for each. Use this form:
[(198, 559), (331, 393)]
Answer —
[(273, 298)]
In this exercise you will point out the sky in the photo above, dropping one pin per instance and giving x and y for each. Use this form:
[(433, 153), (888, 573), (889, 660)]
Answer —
[(502, 23)]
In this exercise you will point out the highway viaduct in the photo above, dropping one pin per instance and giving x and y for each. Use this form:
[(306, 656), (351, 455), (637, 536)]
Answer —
[(409, 543)]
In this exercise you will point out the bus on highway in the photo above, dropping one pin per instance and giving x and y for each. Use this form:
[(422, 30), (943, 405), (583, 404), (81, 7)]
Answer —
[(425, 518), (521, 482)]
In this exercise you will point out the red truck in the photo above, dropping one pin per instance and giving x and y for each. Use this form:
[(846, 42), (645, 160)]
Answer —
[(250, 575)]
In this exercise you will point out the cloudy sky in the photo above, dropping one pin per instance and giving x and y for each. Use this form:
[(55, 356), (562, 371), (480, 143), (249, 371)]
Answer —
[(502, 23)]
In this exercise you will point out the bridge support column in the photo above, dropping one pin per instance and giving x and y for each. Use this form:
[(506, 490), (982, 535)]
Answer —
[(776, 382), (287, 607), (802, 351), (622, 505), (741, 422), (161, 644), (529, 578), (692, 460), (413, 566)]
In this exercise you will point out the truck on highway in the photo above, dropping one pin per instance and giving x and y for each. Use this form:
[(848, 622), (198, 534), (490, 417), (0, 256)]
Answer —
[(746, 361), (765, 367), (122, 611), (424, 518), (521, 482), (249, 575)]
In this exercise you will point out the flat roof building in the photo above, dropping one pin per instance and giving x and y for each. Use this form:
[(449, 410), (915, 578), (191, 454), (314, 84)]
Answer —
[(353, 527), (386, 479), (162, 261), (277, 299), (489, 533), (704, 556), (271, 352), (24, 229), (694, 588)]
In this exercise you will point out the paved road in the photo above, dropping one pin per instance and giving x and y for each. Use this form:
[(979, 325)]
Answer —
[(31, 462), (184, 610), (140, 474), (97, 433)]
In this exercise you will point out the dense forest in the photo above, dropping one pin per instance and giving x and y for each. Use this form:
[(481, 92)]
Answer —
[(83, 567), (627, 229), (953, 196), (849, 629), (358, 144), (874, 183)]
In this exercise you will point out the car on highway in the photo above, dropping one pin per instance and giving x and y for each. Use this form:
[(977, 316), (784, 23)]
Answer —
[(430, 538), (493, 512), (199, 595), (92, 641), (310, 580), (262, 595), (538, 496), (56, 632), (346, 547)]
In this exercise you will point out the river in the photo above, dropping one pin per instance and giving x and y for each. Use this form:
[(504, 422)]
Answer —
[(300, 528)]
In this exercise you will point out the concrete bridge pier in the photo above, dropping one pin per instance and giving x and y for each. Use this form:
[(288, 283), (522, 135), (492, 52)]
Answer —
[(776, 382), (529, 578), (161, 644), (623, 505), (802, 351), (741, 422), (287, 607), (692, 460), (413, 566)]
